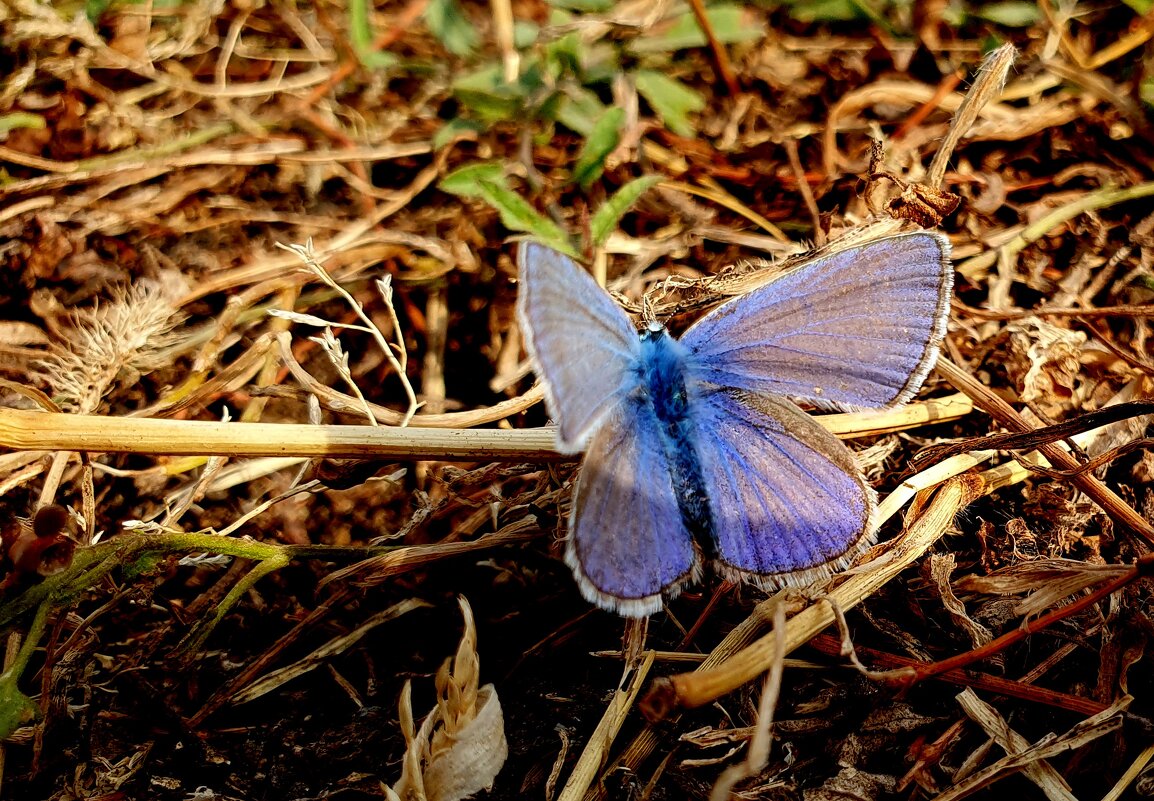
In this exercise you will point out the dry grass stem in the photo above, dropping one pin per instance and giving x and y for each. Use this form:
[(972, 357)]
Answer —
[(1049, 746), (394, 351), (596, 750), (757, 755), (325, 653), (989, 85), (23, 430)]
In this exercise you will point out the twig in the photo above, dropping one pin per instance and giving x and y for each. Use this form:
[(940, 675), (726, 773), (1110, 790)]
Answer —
[(720, 57), (47, 431), (921, 672)]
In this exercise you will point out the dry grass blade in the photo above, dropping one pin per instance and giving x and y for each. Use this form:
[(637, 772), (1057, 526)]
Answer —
[(1041, 773), (597, 749), (1085, 732), (278, 678)]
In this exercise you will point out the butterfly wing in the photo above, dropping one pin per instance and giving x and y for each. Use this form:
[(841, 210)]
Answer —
[(859, 328), (581, 342), (628, 546), (789, 504)]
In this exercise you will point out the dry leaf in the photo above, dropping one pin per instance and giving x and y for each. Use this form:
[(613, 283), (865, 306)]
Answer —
[(461, 745)]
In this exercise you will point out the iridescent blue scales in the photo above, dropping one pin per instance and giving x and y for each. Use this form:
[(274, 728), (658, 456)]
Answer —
[(693, 451)]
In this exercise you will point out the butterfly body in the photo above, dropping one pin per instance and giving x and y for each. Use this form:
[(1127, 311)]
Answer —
[(693, 450), (663, 384)]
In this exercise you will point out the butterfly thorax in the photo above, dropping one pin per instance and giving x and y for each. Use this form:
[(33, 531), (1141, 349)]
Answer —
[(664, 387), (663, 375)]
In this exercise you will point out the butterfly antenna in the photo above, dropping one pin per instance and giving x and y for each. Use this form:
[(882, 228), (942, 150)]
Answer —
[(648, 314)]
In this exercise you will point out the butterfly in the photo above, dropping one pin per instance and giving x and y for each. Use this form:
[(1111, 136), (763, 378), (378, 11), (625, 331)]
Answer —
[(694, 450)]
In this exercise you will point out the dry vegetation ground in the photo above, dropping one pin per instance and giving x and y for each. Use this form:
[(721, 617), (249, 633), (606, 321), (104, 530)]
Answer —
[(154, 156)]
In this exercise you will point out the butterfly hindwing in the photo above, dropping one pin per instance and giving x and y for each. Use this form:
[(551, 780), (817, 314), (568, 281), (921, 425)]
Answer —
[(628, 546), (859, 328), (583, 344), (789, 503)]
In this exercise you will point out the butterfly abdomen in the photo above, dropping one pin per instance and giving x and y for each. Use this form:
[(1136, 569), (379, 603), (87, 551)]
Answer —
[(663, 383)]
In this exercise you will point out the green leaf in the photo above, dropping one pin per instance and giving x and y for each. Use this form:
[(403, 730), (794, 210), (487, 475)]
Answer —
[(584, 6), (1140, 6), (518, 215), (811, 11), (455, 129), (466, 181), (565, 52), (598, 145), (486, 93), (1010, 14), (730, 23), (578, 108), (1146, 90), (448, 23), (362, 34), (671, 99), (525, 34), (605, 221)]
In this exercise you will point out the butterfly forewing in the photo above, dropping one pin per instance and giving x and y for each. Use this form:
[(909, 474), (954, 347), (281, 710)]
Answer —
[(858, 328), (627, 543), (789, 504), (584, 345)]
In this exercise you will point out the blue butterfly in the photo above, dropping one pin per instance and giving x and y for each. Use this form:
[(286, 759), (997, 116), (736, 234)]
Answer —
[(693, 450)]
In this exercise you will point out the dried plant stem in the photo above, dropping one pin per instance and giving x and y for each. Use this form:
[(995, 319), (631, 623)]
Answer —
[(1005, 414), (723, 198), (398, 362), (1144, 567), (720, 57), (1041, 772), (973, 269), (22, 430), (597, 749), (503, 31), (1132, 773), (911, 415), (46, 431), (757, 753), (819, 234), (1048, 746), (339, 402), (322, 654), (987, 86), (997, 685)]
